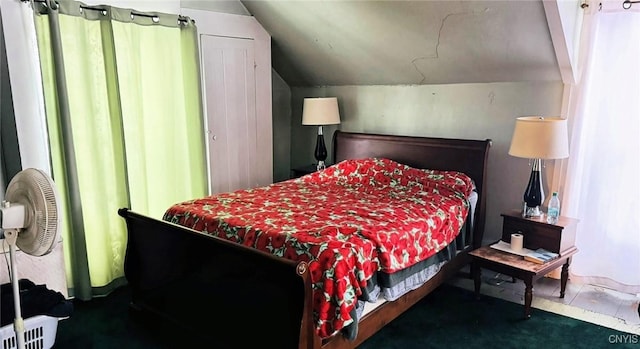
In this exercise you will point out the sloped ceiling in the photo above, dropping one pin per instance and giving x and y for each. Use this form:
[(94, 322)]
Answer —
[(334, 43)]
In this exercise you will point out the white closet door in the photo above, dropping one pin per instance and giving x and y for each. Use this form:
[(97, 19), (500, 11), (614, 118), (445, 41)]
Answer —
[(235, 55), (230, 105)]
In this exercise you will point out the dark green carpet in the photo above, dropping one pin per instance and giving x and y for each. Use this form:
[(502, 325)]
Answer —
[(448, 318), (452, 318)]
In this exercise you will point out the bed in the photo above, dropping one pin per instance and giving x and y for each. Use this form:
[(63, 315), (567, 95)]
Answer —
[(273, 288)]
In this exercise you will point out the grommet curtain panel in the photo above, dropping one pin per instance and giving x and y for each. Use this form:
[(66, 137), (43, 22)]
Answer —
[(125, 122)]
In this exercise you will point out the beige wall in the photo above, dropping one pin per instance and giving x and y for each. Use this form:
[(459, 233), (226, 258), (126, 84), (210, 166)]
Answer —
[(281, 127), (225, 6), (475, 111)]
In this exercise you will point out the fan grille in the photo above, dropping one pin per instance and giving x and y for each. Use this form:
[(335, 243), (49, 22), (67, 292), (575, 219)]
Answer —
[(36, 191)]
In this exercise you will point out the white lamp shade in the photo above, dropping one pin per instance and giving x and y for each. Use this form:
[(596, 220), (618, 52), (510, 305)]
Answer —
[(320, 111), (536, 137)]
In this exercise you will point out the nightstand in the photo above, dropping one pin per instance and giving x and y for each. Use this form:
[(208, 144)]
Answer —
[(537, 233), (301, 171)]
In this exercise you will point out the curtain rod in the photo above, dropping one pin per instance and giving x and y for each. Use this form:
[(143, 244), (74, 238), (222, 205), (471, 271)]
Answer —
[(626, 4), (154, 18)]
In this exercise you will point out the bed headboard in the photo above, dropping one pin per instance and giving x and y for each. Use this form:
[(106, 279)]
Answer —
[(463, 155)]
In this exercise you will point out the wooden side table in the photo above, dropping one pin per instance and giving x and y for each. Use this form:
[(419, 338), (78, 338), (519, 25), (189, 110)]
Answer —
[(537, 233), (515, 266), (303, 170)]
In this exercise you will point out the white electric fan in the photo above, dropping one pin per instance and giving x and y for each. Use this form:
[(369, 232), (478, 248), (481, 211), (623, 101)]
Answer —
[(30, 220)]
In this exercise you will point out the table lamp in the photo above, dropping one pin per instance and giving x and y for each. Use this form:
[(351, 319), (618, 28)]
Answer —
[(319, 112), (538, 138)]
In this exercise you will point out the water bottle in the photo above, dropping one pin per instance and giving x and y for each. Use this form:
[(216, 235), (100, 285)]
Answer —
[(553, 212)]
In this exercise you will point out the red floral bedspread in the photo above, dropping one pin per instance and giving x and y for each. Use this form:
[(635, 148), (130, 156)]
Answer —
[(348, 221)]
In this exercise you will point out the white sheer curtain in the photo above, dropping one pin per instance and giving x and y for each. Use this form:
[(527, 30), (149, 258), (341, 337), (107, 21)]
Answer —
[(26, 84), (603, 176)]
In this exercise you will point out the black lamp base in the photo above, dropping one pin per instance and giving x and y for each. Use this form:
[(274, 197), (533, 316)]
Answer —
[(534, 194), (530, 212), (321, 151)]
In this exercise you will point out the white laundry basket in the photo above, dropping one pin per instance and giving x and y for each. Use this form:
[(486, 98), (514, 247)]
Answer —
[(39, 333)]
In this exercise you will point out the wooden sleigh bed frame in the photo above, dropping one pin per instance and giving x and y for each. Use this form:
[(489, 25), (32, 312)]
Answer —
[(183, 275)]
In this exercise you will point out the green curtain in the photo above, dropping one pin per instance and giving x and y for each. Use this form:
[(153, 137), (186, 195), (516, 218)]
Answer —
[(122, 95)]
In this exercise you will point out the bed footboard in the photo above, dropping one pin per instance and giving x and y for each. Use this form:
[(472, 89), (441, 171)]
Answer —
[(181, 274)]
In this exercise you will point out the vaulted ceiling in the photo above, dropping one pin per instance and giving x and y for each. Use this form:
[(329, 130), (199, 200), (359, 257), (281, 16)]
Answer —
[(332, 43)]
